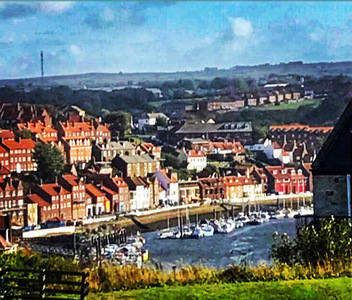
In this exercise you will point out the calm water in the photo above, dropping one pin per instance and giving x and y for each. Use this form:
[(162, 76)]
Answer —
[(249, 244)]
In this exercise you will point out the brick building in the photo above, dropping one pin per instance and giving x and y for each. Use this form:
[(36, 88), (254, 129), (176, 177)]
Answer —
[(20, 154), (53, 201), (11, 200), (138, 165), (41, 131), (211, 188), (78, 195)]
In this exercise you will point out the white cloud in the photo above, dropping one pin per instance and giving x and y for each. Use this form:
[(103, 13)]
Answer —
[(55, 7), (241, 27), (76, 50)]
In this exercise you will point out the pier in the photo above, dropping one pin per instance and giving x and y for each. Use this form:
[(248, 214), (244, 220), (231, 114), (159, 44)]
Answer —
[(271, 202)]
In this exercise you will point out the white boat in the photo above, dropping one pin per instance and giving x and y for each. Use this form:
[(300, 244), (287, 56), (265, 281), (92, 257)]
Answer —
[(304, 211), (166, 234), (207, 230)]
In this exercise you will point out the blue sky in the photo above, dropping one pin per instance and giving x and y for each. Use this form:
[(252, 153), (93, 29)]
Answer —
[(81, 37)]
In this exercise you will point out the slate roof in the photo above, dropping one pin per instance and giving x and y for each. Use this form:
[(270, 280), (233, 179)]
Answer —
[(222, 127)]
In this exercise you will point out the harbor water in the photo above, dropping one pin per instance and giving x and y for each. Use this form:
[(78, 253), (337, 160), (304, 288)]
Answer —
[(249, 245)]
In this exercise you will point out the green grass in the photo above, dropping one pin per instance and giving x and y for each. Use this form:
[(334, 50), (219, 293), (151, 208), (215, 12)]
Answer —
[(292, 105), (338, 288)]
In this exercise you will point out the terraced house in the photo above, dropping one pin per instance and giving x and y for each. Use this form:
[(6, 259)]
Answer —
[(19, 154)]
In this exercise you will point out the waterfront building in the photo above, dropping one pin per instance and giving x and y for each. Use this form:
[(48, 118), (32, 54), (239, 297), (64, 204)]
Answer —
[(189, 191), (286, 180), (211, 188), (139, 193), (168, 182), (50, 201), (99, 203), (79, 196)]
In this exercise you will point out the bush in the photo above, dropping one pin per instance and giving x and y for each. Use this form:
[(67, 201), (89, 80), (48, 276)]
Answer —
[(330, 243)]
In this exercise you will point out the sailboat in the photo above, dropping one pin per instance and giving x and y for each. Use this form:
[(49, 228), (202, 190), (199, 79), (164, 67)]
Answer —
[(166, 233)]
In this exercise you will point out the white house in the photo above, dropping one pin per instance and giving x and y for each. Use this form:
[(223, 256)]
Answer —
[(139, 193), (267, 148), (196, 160), (169, 183), (149, 119)]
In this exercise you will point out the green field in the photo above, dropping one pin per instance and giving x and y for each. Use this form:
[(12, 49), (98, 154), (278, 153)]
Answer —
[(340, 288), (292, 105)]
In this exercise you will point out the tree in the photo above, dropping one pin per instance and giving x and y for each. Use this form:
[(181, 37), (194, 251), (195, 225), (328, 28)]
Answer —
[(120, 122), (24, 134), (161, 121), (50, 161)]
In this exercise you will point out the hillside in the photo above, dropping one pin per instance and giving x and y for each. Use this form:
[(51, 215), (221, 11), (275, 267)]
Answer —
[(107, 80)]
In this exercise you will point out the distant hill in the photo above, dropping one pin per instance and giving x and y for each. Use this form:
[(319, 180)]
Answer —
[(97, 80)]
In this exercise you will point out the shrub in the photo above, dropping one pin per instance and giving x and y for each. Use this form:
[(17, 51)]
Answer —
[(330, 244)]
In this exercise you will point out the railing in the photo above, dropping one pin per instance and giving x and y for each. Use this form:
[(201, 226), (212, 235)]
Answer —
[(43, 284)]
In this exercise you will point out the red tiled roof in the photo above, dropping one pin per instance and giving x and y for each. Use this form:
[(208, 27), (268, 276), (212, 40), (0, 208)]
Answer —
[(193, 153), (22, 144), (150, 147), (109, 191), (237, 180), (300, 126), (94, 191), (119, 181), (6, 134), (77, 126), (37, 199), (3, 150), (236, 147), (54, 189), (71, 179), (103, 128)]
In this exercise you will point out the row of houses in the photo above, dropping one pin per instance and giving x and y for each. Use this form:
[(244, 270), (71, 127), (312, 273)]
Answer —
[(72, 198), (239, 101)]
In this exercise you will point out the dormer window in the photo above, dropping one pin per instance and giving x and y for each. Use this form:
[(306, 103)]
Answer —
[(293, 172), (275, 172), (283, 171), (299, 172)]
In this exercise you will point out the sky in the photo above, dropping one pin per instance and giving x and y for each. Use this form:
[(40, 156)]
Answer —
[(82, 37)]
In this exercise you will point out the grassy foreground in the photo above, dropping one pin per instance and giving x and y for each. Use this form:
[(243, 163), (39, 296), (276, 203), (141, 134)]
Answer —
[(336, 288)]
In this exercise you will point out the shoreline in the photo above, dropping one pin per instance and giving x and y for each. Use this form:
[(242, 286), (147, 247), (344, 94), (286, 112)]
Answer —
[(160, 220)]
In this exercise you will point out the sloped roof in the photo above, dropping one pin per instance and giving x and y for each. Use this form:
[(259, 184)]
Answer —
[(6, 134), (54, 189), (94, 191), (34, 198), (335, 155), (22, 144)]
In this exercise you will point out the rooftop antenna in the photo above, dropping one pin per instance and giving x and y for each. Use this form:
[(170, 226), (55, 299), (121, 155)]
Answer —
[(42, 63)]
